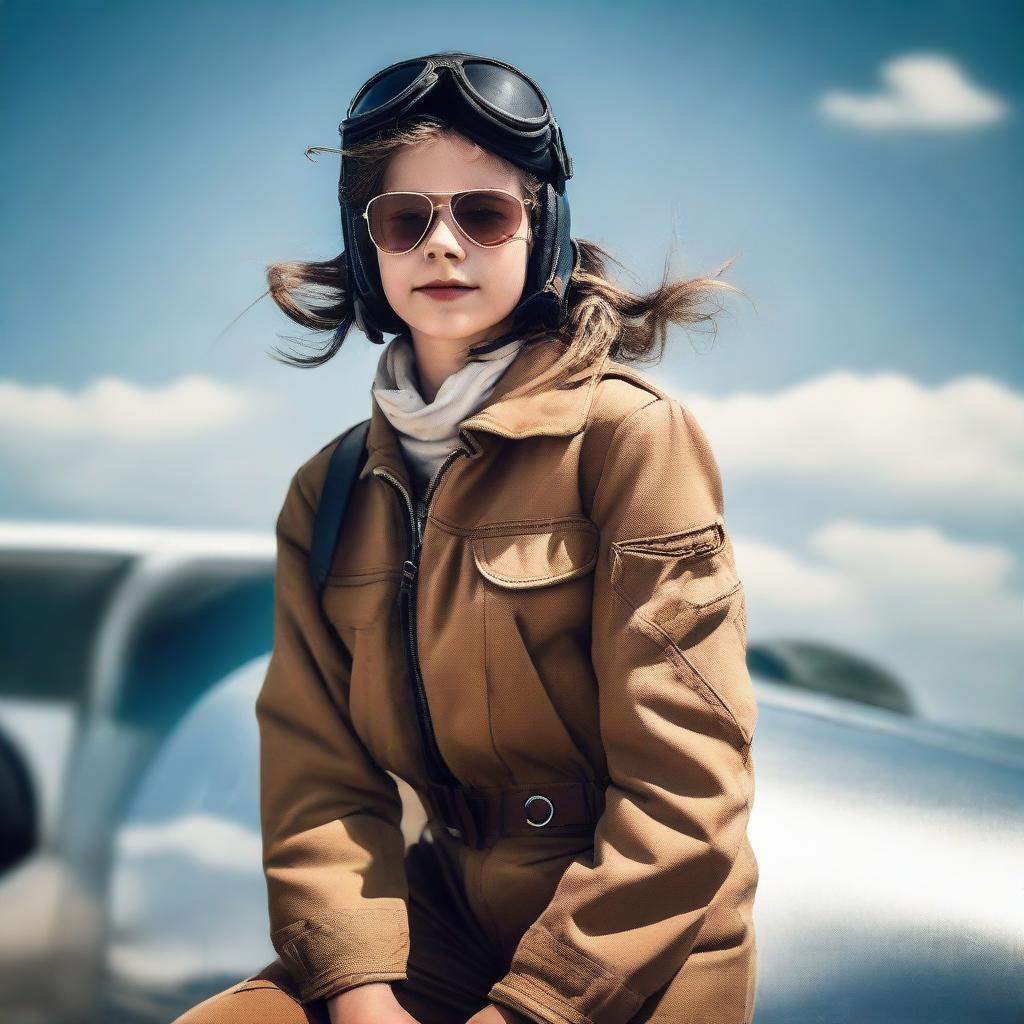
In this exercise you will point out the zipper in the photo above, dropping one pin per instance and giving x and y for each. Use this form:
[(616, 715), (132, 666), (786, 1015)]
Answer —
[(437, 767)]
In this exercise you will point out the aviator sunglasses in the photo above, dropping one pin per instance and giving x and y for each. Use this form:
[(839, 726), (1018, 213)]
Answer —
[(399, 221)]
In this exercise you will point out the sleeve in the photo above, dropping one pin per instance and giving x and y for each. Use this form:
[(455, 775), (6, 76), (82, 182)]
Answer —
[(333, 849), (677, 714)]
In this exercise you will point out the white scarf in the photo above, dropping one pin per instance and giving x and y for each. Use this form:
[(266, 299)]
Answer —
[(428, 433)]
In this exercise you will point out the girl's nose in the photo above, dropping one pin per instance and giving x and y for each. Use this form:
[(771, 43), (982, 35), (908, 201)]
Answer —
[(442, 237)]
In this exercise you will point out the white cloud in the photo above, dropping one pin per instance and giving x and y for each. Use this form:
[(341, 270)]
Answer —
[(218, 455), (922, 91), (922, 564), (885, 579), (237, 951), (786, 582), (205, 839), (939, 612), (193, 452), (886, 436), (188, 902), (115, 410)]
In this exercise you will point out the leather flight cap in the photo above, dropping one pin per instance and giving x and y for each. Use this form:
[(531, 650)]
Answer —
[(437, 84)]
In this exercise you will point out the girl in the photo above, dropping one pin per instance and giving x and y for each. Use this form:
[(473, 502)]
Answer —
[(533, 615)]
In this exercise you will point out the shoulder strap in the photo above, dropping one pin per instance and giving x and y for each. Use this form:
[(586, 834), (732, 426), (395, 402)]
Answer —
[(347, 460)]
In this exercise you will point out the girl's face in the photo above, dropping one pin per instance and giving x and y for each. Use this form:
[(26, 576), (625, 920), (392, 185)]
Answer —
[(451, 164)]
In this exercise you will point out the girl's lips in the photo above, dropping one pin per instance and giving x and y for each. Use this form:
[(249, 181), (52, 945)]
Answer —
[(445, 294)]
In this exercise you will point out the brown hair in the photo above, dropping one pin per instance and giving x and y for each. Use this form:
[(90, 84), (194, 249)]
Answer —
[(600, 316)]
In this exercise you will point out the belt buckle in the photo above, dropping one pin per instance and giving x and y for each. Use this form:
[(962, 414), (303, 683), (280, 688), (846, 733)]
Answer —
[(547, 811)]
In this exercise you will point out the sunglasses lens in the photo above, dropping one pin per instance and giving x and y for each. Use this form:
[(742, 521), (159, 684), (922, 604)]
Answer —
[(382, 90), (505, 89), (397, 220), (488, 217)]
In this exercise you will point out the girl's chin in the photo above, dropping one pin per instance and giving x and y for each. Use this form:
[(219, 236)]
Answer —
[(447, 321)]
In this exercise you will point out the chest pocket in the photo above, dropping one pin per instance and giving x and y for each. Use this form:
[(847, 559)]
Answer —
[(525, 556), (361, 599)]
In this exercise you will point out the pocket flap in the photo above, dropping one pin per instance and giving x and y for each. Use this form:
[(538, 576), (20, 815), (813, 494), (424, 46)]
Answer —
[(539, 557), (670, 575)]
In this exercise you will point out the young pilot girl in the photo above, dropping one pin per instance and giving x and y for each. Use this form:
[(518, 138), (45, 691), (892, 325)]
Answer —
[(532, 615)]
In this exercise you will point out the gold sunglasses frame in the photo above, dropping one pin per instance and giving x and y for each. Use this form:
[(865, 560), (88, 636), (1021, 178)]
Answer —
[(523, 203)]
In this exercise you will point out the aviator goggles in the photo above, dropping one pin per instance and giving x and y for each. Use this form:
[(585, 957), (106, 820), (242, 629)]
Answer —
[(399, 221), (501, 99)]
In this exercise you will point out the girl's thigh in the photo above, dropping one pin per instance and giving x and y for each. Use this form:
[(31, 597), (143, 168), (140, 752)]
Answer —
[(269, 998), (265, 998)]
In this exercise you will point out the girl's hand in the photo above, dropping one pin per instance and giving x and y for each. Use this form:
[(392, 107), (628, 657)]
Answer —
[(371, 1003), (492, 1013)]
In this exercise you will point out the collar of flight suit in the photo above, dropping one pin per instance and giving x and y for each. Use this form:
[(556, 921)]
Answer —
[(534, 396)]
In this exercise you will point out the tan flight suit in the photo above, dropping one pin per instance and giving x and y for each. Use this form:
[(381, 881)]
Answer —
[(578, 621)]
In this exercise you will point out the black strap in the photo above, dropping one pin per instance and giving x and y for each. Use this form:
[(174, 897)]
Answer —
[(347, 460)]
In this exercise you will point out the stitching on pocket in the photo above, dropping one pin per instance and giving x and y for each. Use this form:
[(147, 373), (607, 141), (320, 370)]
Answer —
[(710, 694), (561, 565), (506, 526), (618, 572), (682, 547), (702, 540)]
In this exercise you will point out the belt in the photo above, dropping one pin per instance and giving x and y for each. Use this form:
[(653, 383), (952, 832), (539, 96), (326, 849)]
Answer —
[(477, 817)]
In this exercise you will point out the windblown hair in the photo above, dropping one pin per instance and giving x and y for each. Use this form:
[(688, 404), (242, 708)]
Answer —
[(600, 316)]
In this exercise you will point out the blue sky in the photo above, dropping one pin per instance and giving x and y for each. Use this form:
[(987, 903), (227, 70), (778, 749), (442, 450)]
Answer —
[(862, 162)]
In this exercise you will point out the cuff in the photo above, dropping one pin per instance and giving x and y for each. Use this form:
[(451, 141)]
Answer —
[(362, 946), (553, 984)]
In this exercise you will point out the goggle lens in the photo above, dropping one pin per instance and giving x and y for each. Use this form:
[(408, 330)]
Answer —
[(397, 221), (384, 89), (505, 90)]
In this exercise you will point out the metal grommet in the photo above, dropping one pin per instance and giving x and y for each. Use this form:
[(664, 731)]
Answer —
[(551, 811)]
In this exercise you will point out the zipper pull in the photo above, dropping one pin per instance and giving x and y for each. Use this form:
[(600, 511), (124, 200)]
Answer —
[(408, 574), (421, 518)]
